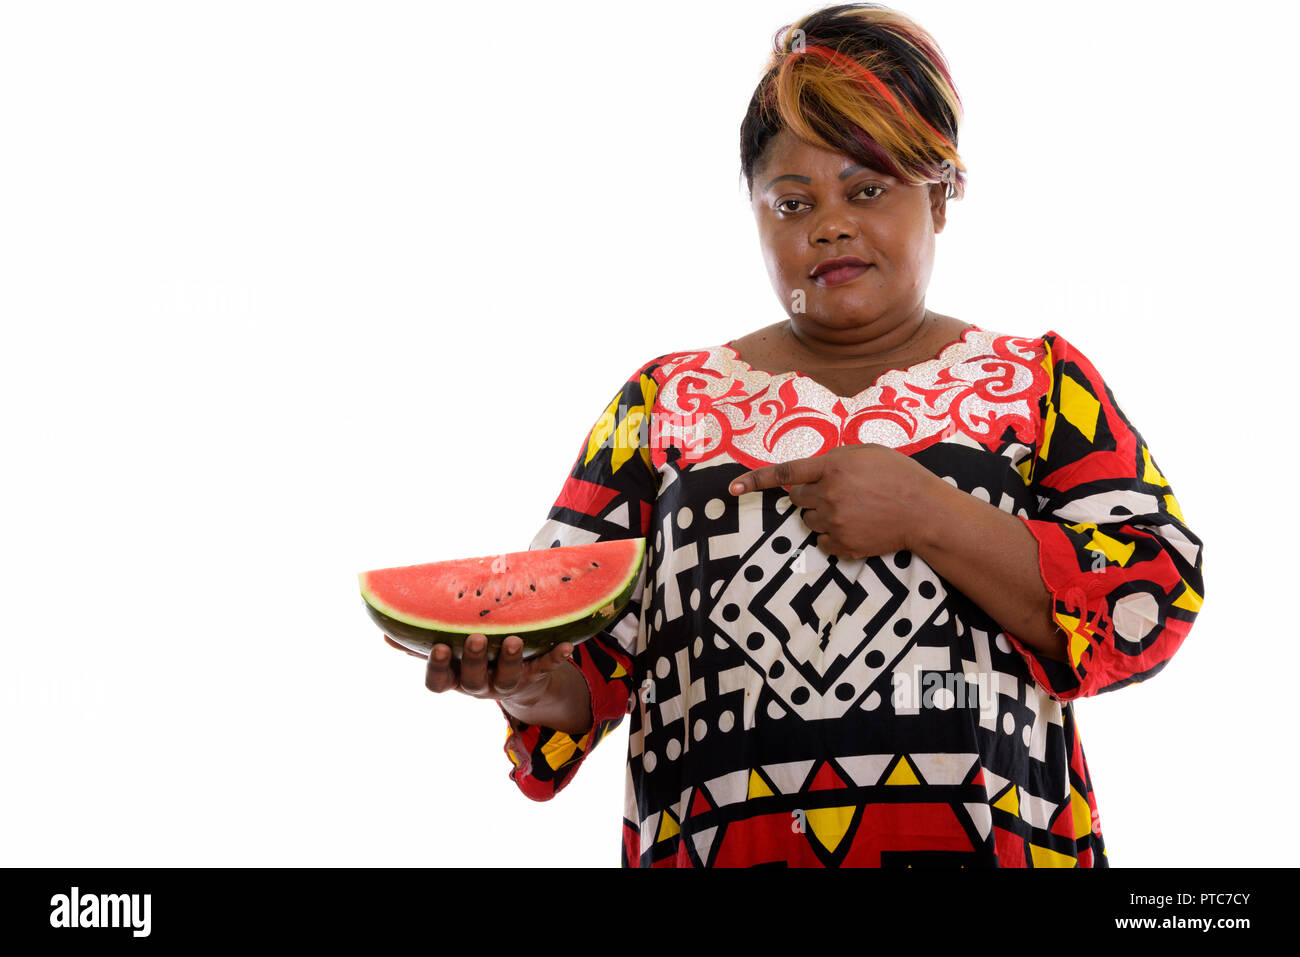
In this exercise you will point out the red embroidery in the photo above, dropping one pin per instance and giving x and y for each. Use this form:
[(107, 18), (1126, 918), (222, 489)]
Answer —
[(712, 402)]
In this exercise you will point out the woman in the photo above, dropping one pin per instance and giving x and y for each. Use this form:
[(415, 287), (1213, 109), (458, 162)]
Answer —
[(886, 548)]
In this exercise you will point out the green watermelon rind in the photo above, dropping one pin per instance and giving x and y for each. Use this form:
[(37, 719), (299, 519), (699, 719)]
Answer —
[(538, 638)]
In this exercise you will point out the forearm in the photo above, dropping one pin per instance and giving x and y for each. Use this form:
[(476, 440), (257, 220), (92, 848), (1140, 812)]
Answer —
[(992, 558), (563, 705)]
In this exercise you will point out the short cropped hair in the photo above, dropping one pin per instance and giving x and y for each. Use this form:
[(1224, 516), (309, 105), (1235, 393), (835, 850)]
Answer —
[(862, 80)]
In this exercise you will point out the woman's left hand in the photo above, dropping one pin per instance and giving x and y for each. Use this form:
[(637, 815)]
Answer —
[(864, 500)]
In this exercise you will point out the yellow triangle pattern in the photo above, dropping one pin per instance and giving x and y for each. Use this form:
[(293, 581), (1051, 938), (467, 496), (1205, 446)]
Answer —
[(1152, 474), (757, 786), (649, 390), (1078, 645), (602, 430), (1079, 407), (1171, 506), (559, 749), (903, 773), (627, 438), (1049, 420), (1049, 423), (830, 824), (626, 433), (1188, 600), (1081, 812), (1026, 469), (1115, 551), (1046, 857), (1009, 802), (668, 827), (618, 671)]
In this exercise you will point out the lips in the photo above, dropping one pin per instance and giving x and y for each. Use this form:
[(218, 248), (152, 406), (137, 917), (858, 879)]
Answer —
[(836, 272)]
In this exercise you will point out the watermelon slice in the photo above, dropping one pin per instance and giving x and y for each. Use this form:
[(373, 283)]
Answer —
[(545, 596)]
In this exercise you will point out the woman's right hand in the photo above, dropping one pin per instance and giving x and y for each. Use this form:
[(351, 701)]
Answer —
[(509, 680), (519, 685)]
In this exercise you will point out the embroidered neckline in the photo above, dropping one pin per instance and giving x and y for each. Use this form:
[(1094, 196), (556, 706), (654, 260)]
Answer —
[(970, 393), (943, 355)]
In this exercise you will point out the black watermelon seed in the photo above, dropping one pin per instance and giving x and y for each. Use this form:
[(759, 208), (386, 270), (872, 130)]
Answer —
[(484, 612), (478, 591), (564, 578), (532, 587)]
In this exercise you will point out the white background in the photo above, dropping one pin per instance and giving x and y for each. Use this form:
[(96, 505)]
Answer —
[(295, 290)]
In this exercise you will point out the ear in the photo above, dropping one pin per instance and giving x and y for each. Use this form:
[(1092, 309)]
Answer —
[(939, 205)]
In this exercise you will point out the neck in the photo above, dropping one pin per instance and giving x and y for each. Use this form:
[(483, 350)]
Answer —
[(874, 341)]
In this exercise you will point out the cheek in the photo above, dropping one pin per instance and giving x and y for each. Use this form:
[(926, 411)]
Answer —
[(923, 251), (911, 248), (777, 258)]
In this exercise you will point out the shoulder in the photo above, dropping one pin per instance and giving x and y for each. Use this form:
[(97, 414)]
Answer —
[(1053, 353), (1003, 342), (1063, 350), (1070, 370), (983, 353), (642, 386), (715, 358)]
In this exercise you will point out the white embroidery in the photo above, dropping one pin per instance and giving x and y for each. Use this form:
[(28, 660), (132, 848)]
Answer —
[(977, 386)]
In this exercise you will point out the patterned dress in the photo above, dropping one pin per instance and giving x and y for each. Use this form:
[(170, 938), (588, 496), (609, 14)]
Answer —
[(790, 708)]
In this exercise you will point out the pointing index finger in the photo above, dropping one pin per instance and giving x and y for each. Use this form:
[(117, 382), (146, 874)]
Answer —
[(785, 474)]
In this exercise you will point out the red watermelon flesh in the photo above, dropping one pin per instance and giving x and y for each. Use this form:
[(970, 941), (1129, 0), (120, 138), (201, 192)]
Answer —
[(545, 596)]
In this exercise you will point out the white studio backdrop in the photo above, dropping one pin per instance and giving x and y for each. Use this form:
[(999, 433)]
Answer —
[(295, 290)]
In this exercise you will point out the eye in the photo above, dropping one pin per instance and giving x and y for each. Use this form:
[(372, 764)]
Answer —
[(876, 195), (781, 206)]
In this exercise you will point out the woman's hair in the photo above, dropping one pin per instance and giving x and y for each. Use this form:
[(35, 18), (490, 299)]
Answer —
[(865, 81)]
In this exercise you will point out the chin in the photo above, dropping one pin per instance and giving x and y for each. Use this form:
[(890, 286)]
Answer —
[(849, 316)]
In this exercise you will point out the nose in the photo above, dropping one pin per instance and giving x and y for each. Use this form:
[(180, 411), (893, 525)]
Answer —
[(832, 227)]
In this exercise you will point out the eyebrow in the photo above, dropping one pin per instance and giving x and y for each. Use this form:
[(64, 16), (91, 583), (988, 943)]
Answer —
[(844, 174)]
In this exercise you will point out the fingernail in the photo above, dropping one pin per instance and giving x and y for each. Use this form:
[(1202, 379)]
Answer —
[(737, 487)]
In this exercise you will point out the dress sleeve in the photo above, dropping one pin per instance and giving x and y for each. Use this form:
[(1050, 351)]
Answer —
[(1114, 550), (609, 494)]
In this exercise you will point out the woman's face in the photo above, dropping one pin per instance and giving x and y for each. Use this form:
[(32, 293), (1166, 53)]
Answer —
[(813, 204)]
